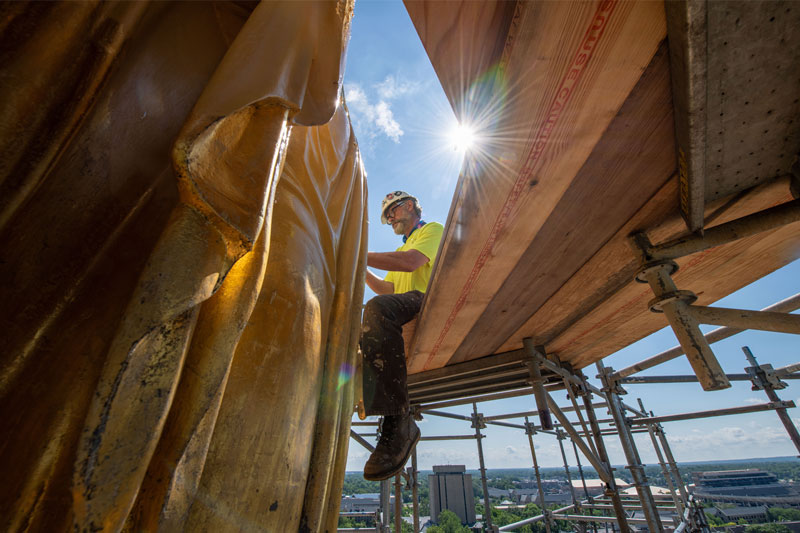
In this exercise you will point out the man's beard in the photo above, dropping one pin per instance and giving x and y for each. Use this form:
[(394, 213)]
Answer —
[(399, 227)]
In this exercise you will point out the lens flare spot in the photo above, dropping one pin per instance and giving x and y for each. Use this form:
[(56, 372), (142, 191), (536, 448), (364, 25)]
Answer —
[(345, 374)]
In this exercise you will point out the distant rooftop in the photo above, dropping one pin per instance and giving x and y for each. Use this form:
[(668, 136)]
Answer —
[(450, 469)]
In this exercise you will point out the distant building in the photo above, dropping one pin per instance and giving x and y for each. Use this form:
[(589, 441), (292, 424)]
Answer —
[(547, 484), (751, 487), (363, 503), (451, 489), (596, 486), (734, 514), (499, 493)]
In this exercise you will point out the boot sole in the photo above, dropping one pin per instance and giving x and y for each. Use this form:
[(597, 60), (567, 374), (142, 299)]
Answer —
[(397, 470)]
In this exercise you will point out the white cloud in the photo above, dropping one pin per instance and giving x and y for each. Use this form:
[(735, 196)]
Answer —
[(728, 443), (371, 120), (355, 95), (390, 88), (386, 122)]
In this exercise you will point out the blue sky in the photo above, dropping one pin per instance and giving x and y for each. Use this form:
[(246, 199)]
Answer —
[(402, 118)]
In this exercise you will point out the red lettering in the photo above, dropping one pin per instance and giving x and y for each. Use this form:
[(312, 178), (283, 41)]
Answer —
[(564, 94), (599, 22), (581, 59), (573, 74)]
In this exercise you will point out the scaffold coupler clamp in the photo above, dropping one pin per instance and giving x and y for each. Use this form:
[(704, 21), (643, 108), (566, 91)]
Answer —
[(530, 428), (763, 377), (561, 434), (581, 389), (478, 422), (610, 383), (416, 413)]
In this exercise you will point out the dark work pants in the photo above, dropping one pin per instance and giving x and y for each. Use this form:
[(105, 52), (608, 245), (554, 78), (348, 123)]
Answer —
[(385, 390)]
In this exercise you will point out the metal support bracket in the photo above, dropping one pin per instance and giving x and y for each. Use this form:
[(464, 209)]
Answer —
[(478, 422), (537, 382), (675, 305), (610, 382), (763, 376)]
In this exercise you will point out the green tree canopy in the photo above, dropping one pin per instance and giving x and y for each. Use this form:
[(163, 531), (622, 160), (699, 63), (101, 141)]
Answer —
[(450, 523), (767, 528)]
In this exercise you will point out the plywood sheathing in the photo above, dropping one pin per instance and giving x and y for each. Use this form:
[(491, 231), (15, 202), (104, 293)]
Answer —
[(736, 82), (572, 67), (753, 93)]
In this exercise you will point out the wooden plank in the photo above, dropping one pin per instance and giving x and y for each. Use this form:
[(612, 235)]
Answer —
[(631, 162), (592, 317), (471, 35), (686, 27), (581, 61)]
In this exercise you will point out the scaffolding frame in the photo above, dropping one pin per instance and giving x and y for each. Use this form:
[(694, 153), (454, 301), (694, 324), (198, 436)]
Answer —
[(533, 371)]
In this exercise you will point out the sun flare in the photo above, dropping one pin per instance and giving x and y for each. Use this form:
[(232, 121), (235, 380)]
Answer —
[(462, 137)]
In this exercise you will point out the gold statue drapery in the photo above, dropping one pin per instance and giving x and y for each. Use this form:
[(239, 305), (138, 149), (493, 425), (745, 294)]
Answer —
[(177, 359)]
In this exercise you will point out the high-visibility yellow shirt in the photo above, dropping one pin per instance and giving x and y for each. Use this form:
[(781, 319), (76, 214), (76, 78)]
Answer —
[(425, 240)]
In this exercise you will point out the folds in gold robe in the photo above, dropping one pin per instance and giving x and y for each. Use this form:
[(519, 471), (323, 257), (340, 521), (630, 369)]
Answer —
[(177, 352)]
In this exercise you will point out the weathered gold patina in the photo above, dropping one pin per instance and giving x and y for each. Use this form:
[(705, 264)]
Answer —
[(170, 360)]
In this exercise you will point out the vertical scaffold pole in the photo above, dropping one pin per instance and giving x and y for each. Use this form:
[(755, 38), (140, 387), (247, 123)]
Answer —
[(764, 379), (611, 488), (673, 466), (385, 491), (398, 502), (664, 469), (530, 432), (561, 436), (631, 453), (479, 424), (583, 478), (415, 488)]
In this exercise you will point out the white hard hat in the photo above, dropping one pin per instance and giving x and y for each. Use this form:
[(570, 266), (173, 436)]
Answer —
[(391, 198)]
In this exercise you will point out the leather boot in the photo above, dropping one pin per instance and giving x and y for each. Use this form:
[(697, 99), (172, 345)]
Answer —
[(399, 434)]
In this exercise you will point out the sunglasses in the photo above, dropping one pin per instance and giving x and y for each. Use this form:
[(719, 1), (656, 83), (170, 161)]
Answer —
[(392, 209)]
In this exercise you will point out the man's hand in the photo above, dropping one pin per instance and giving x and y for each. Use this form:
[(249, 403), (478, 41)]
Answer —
[(378, 285), (407, 261)]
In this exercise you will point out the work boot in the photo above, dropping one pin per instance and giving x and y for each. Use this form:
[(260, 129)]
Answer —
[(399, 434)]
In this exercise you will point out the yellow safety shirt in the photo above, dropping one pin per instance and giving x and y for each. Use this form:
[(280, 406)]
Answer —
[(425, 240)]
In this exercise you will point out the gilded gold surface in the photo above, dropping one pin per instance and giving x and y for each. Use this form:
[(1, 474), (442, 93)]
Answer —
[(176, 358)]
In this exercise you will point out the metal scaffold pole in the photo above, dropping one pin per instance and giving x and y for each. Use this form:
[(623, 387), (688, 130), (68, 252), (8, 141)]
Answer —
[(385, 492), (765, 379), (631, 453), (530, 432), (561, 436), (664, 469), (398, 502), (583, 480), (673, 466), (611, 486), (415, 488), (478, 424)]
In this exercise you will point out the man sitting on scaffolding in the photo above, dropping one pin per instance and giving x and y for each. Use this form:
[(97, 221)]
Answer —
[(399, 299)]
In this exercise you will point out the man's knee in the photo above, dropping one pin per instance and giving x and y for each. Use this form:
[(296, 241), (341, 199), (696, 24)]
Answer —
[(377, 306)]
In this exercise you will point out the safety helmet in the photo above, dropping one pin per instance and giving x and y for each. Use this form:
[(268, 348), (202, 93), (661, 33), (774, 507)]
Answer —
[(391, 198)]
